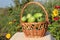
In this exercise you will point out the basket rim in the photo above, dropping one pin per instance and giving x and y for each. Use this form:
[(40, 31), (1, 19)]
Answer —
[(32, 22)]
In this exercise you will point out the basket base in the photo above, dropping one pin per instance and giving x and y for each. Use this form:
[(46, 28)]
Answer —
[(33, 36), (35, 33)]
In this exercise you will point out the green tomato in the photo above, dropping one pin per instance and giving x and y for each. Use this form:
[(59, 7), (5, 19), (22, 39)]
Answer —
[(24, 18), (40, 19), (31, 19), (29, 15), (36, 15)]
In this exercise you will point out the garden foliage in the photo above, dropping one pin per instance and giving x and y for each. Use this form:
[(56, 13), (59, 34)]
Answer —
[(10, 23)]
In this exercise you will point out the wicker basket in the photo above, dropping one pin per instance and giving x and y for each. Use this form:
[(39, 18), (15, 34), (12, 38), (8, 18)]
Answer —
[(37, 28)]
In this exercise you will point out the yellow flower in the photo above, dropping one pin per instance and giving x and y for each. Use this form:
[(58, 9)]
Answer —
[(55, 12), (8, 35), (10, 22)]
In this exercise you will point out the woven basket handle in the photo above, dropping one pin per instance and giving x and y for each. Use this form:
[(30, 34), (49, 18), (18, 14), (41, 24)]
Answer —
[(37, 3)]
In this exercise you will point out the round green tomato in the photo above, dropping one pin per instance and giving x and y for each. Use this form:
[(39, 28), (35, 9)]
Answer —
[(36, 15), (31, 19), (29, 15), (40, 19), (24, 18)]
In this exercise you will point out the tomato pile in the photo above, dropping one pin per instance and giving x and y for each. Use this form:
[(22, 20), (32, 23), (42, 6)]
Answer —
[(37, 17)]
